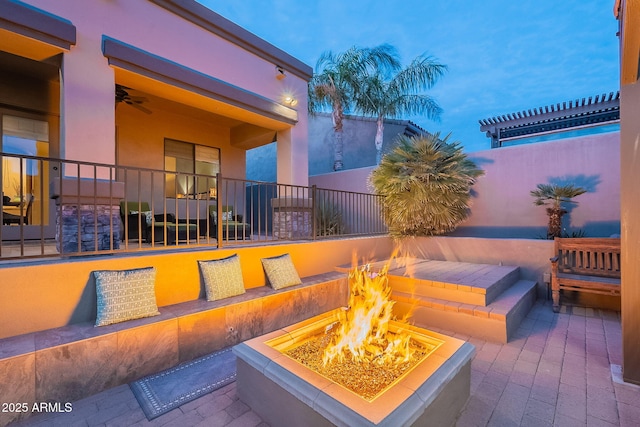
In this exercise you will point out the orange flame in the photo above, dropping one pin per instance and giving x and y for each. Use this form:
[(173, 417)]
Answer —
[(362, 328)]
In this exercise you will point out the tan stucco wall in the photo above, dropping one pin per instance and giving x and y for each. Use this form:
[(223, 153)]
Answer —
[(141, 139), (57, 293)]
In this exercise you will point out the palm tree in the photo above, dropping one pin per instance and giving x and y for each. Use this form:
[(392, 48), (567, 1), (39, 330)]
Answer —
[(555, 196), (336, 75), (399, 94), (425, 182)]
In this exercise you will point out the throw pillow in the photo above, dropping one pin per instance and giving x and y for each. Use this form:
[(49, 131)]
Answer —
[(227, 213), (227, 216), (149, 216), (280, 271), (222, 277), (125, 295)]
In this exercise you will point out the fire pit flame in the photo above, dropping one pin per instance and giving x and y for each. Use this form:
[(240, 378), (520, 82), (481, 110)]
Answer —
[(362, 330)]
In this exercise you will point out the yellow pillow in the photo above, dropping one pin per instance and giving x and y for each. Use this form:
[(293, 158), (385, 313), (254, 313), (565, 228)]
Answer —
[(222, 277), (280, 271)]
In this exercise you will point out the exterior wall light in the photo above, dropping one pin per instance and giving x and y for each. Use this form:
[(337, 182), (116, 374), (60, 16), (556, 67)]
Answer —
[(290, 100), (280, 74)]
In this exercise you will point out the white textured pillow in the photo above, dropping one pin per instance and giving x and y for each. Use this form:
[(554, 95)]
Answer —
[(149, 216), (222, 277), (280, 271), (227, 216), (125, 295)]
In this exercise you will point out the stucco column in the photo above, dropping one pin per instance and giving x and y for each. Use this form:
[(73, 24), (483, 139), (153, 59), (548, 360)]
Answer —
[(292, 153), (630, 227), (87, 123)]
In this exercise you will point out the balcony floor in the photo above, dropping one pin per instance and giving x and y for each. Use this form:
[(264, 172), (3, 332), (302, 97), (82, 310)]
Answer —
[(555, 371)]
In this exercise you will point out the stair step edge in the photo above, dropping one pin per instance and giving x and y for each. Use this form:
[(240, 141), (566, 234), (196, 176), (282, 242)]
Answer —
[(498, 309)]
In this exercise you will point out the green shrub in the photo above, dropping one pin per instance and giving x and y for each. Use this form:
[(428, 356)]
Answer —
[(426, 183)]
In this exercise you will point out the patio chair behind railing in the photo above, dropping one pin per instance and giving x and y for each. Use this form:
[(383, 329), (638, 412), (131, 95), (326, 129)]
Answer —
[(99, 208)]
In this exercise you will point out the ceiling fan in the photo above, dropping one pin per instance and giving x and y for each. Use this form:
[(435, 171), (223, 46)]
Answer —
[(122, 95)]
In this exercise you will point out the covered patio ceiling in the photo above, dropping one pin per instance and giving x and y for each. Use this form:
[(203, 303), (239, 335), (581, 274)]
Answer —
[(243, 134), (246, 132)]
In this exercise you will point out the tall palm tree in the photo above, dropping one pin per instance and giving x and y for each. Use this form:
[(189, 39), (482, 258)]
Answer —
[(426, 183), (335, 78), (396, 95), (555, 196)]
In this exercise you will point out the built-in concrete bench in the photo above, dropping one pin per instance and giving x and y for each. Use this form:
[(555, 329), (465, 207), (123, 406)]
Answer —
[(71, 362)]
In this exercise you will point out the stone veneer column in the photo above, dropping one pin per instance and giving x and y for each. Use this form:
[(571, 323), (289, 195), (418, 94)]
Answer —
[(292, 218), (90, 224), (87, 214)]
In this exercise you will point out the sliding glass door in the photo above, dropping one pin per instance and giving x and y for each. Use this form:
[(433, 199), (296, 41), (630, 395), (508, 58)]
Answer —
[(25, 172)]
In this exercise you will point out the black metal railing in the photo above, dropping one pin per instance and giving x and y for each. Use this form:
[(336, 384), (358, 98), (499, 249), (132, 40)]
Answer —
[(55, 207)]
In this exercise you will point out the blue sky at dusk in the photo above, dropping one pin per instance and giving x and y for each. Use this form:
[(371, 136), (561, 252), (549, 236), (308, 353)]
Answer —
[(503, 56)]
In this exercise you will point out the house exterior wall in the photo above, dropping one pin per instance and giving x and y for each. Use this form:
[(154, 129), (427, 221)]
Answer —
[(501, 203), (630, 236), (87, 105), (628, 14), (145, 133)]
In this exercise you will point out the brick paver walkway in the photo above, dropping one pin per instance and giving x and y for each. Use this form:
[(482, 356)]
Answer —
[(555, 371)]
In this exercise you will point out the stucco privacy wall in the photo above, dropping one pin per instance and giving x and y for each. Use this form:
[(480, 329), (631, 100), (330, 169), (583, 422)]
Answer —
[(87, 111), (359, 149), (358, 135), (502, 205), (53, 294)]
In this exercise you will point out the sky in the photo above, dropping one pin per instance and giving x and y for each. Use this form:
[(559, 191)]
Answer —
[(502, 56)]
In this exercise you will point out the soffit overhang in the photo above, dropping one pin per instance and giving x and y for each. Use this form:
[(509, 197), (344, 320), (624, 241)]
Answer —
[(162, 77), (33, 33)]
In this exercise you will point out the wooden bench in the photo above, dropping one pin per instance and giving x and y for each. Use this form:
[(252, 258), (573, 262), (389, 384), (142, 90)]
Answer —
[(585, 265), (71, 362)]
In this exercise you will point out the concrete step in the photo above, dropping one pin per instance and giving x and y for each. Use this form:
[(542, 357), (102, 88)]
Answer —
[(496, 321), (462, 282)]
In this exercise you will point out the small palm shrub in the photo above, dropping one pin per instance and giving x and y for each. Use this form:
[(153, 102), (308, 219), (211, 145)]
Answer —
[(426, 183), (555, 197)]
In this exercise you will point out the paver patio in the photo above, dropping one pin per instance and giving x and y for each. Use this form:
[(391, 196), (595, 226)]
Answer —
[(555, 371)]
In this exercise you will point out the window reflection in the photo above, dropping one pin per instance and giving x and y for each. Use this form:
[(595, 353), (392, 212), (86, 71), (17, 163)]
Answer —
[(188, 160), (24, 181)]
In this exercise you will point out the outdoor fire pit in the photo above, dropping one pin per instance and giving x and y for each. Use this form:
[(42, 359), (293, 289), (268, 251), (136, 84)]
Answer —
[(431, 390)]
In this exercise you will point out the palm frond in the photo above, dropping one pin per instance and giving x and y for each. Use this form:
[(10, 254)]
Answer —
[(426, 182), (556, 194)]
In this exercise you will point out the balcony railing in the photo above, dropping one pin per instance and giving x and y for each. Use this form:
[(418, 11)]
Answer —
[(54, 207)]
